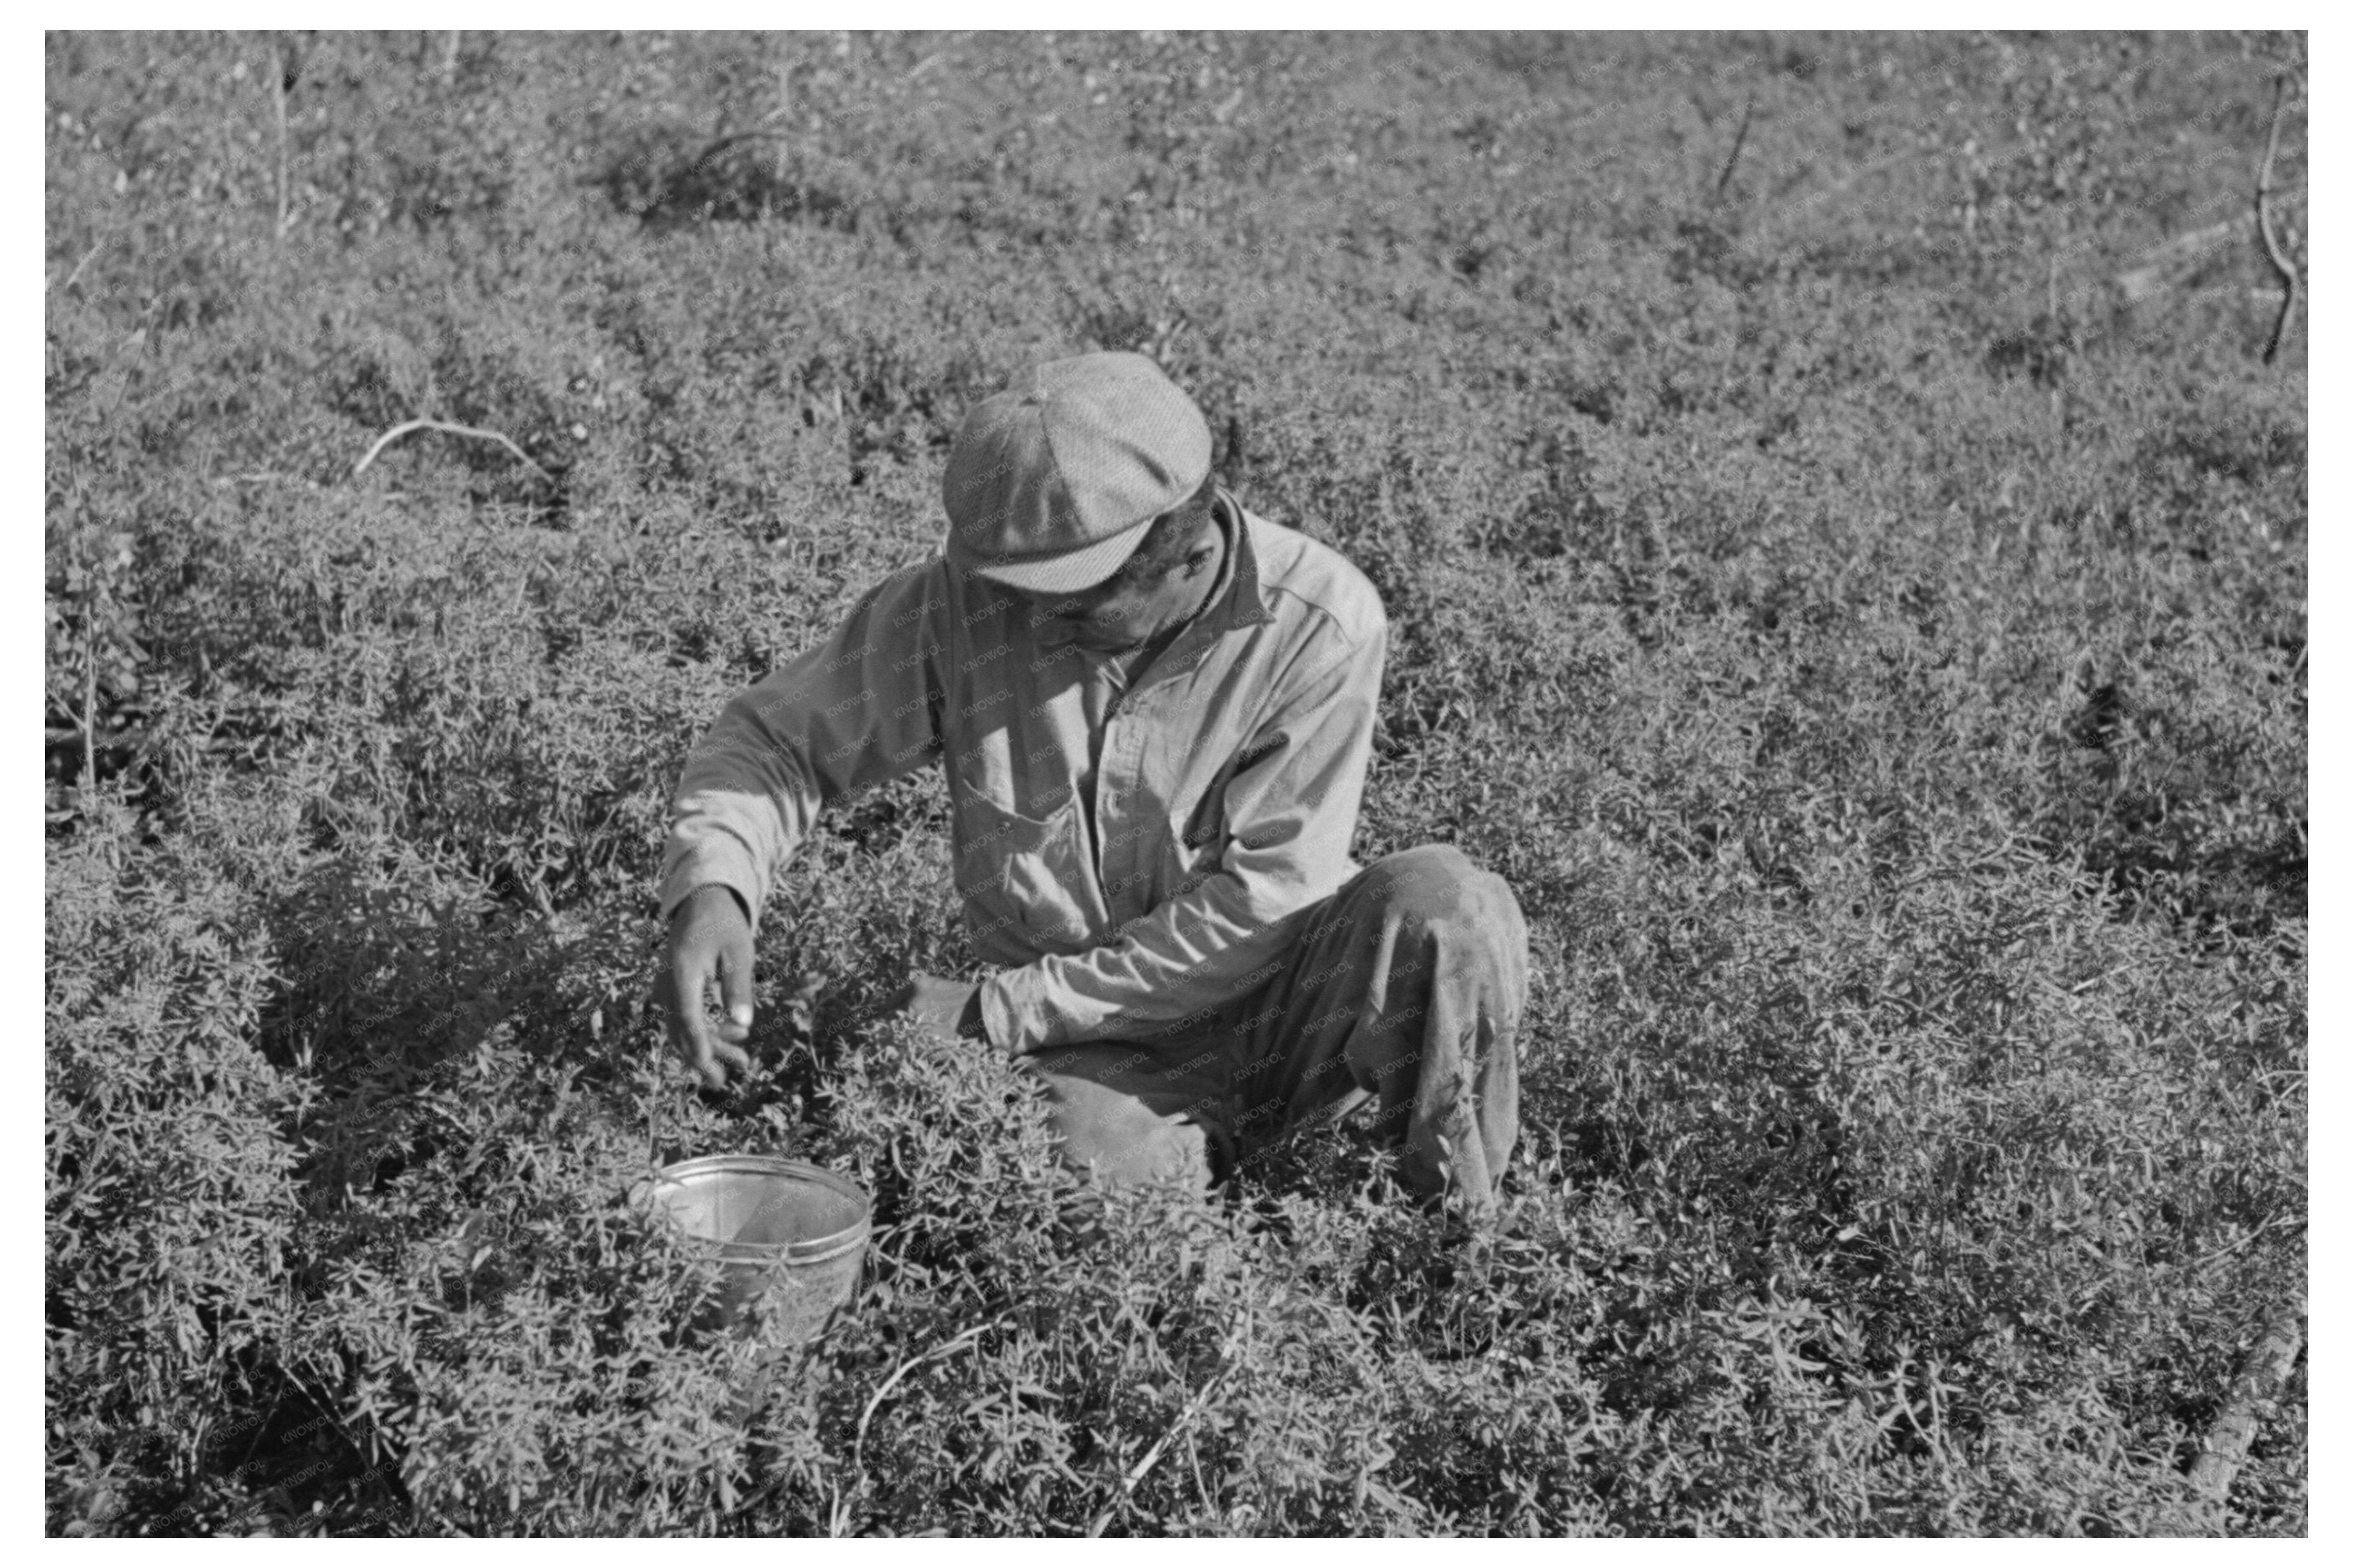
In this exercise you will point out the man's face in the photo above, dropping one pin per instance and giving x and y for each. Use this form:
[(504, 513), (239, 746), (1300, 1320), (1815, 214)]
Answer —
[(1125, 612)]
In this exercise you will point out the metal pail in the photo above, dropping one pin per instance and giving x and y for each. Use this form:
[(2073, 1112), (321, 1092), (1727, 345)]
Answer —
[(787, 1231)]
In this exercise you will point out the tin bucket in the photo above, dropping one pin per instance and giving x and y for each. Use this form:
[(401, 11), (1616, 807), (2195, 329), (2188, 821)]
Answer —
[(786, 1231)]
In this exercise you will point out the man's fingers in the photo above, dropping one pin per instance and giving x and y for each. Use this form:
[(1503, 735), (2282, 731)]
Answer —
[(736, 990), (690, 1034), (710, 1057), (709, 939), (678, 989), (711, 1049)]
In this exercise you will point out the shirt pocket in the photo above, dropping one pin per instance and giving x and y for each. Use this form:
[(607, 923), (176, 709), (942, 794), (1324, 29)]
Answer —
[(1025, 881)]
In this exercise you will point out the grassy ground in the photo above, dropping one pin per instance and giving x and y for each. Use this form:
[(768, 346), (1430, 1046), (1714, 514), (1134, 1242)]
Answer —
[(1869, 637)]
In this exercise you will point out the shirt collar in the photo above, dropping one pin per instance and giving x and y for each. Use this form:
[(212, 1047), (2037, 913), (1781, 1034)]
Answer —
[(1235, 602)]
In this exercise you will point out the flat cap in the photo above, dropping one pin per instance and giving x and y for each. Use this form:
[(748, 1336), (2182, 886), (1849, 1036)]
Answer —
[(1051, 483)]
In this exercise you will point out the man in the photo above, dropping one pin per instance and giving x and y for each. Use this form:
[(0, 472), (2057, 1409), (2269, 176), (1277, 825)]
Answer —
[(1154, 710)]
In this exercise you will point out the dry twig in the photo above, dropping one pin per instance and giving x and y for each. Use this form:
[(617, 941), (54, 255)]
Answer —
[(654, 1108), (2152, 270), (89, 706), (278, 73), (2288, 282), (702, 159), (840, 1509), (1180, 1426), (1739, 140), (412, 426), (92, 255)]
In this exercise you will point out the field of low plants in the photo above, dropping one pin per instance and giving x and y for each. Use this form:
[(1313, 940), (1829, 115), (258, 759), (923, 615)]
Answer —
[(1846, 552)]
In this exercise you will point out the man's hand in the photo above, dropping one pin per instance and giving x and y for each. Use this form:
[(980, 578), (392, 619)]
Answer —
[(710, 938), (947, 1009)]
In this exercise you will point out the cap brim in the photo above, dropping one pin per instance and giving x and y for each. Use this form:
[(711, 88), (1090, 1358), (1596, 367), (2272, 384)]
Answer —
[(1068, 572)]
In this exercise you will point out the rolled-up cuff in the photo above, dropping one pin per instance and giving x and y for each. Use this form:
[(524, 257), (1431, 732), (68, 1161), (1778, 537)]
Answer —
[(1000, 1015), (1018, 1009), (715, 864)]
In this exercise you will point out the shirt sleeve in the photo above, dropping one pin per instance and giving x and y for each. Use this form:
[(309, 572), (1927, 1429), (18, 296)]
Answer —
[(859, 709), (1291, 811)]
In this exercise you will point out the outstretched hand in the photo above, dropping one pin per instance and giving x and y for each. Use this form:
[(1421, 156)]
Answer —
[(710, 938)]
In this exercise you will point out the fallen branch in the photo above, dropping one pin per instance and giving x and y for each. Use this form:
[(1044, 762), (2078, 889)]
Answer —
[(2289, 282), (411, 426), (2260, 1375)]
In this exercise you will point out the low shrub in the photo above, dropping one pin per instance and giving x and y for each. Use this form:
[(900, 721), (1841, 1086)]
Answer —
[(1874, 655)]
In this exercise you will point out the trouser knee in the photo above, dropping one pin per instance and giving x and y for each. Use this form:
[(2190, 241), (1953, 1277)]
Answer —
[(1101, 1130), (1436, 888)]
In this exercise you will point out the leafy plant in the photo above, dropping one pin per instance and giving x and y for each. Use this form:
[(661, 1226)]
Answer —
[(1869, 641)]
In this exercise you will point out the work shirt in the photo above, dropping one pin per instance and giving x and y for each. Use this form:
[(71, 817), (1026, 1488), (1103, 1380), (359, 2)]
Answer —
[(1135, 856)]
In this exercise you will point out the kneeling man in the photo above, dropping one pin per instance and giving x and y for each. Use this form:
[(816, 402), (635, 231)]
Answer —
[(1155, 710)]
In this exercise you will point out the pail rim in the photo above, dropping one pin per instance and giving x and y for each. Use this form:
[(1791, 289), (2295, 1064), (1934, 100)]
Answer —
[(818, 1249)]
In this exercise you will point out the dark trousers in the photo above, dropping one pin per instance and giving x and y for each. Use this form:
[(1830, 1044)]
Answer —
[(1400, 1003)]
